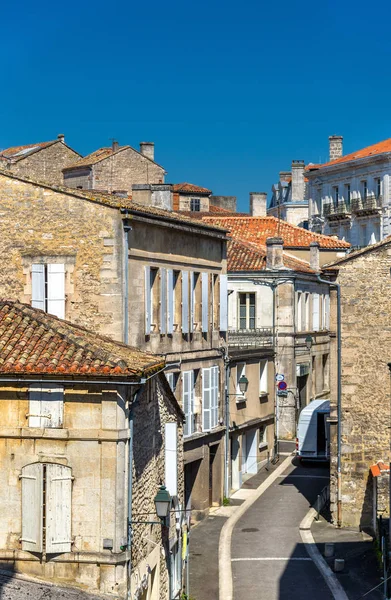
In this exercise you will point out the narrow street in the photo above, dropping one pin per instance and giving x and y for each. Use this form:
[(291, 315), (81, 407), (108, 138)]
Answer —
[(269, 561)]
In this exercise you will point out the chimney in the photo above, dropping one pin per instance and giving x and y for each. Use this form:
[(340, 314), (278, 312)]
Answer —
[(148, 149), (159, 195), (274, 253), (115, 146), (227, 202), (335, 146), (258, 204), (61, 137), (314, 256), (285, 176), (298, 185)]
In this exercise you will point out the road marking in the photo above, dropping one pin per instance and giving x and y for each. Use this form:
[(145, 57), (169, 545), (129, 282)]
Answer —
[(273, 558), (304, 476)]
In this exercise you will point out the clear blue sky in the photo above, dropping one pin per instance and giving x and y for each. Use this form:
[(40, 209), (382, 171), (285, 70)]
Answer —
[(230, 92)]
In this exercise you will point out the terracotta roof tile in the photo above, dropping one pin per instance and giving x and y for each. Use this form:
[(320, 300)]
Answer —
[(258, 229), (246, 256), (101, 154), (18, 152), (32, 341), (213, 211), (375, 149), (379, 468), (190, 188)]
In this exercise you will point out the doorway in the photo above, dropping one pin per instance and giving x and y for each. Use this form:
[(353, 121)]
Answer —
[(212, 457), (302, 386), (236, 475), (251, 452)]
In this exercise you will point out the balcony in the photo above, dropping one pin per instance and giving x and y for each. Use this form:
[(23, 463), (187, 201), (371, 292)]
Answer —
[(340, 211), (367, 206), (250, 338)]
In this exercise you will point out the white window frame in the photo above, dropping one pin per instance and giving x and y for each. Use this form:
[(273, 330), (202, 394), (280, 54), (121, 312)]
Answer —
[(188, 402), (263, 377), (48, 288), (248, 304), (210, 398)]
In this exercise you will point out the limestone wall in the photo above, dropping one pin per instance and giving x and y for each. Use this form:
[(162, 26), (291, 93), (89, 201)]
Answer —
[(46, 164)]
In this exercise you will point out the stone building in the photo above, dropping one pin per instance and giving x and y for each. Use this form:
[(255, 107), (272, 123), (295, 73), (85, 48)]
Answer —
[(76, 410), (43, 161), (365, 284), (115, 169), (140, 274), (192, 199), (350, 196), (289, 196)]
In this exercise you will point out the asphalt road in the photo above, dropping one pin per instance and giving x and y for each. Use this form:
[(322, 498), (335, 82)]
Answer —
[(15, 588), (269, 561)]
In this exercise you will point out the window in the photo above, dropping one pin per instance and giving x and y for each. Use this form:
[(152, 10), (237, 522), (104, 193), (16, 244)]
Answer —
[(188, 402), (262, 436), (335, 195), (151, 299), (247, 311), (240, 371), (185, 302), (195, 204), (315, 312), (46, 508), (210, 396), (223, 302), (263, 378), (46, 406), (176, 569), (171, 458), (325, 365), (347, 195), (326, 311), (48, 288), (172, 379), (306, 315), (364, 186), (378, 187), (363, 235), (205, 302), (299, 310)]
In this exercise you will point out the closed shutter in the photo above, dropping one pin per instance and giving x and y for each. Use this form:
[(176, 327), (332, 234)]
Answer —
[(38, 286), (170, 379), (46, 406), (315, 312), (58, 508), (192, 299), (186, 401), (35, 397), (263, 376), (163, 301), (56, 290), (170, 301), (185, 302), (205, 302), (223, 303), (147, 295), (32, 507), (299, 310), (191, 419), (171, 460), (215, 396), (327, 311), (206, 399)]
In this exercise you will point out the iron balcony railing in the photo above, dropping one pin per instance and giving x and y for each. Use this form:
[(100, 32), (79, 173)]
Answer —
[(368, 204), (244, 338)]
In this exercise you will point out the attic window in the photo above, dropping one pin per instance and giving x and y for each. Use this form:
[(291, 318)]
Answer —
[(195, 204)]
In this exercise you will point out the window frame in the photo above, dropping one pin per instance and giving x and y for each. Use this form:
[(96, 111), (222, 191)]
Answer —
[(195, 204), (248, 305)]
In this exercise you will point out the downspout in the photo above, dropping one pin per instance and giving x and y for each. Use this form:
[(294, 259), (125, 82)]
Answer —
[(127, 228), (276, 424), (339, 396), (130, 492), (227, 424)]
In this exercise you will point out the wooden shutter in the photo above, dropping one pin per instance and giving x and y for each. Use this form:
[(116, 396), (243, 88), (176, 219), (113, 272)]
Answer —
[(299, 310), (206, 399), (35, 397), (38, 286), (192, 299), (223, 303), (263, 376), (186, 401), (46, 406), (171, 459), (56, 290), (147, 296), (315, 312), (327, 311), (170, 301), (170, 379), (205, 302), (58, 508), (185, 302), (32, 507), (163, 301), (215, 396), (191, 419)]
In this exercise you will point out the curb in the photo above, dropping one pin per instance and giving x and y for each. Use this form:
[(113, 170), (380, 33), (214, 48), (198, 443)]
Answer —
[(225, 566), (329, 576)]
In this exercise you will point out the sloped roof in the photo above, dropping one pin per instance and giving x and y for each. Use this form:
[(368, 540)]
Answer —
[(214, 211), (375, 149), (245, 256), (358, 253), (258, 229), (16, 153), (190, 188), (32, 341), (101, 154)]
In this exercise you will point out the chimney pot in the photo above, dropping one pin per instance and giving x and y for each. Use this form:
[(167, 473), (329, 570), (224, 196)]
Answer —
[(258, 204), (274, 253), (335, 147), (61, 137), (298, 184), (148, 149), (314, 256), (115, 146)]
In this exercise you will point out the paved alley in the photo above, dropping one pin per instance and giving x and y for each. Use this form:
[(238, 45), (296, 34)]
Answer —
[(269, 560)]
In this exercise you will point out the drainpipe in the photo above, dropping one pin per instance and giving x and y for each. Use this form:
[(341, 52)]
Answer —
[(227, 423), (130, 490), (127, 228), (339, 397)]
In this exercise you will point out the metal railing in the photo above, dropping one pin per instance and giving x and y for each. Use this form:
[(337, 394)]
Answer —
[(261, 336), (368, 204), (322, 500)]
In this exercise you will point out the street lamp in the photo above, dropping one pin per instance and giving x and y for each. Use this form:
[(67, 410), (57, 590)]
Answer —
[(162, 502), (309, 342), (243, 384)]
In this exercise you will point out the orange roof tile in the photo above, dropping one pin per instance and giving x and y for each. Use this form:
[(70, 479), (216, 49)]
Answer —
[(190, 188), (258, 229), (375, 149), (379, 468), (34, 342), (245, 256), (94, 157), (213, 211)]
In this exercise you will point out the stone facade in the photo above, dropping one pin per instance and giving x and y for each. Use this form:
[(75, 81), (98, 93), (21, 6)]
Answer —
[(289, 200)]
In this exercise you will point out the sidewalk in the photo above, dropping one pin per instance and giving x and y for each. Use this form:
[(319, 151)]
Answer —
[(361, 572), (205, 536)]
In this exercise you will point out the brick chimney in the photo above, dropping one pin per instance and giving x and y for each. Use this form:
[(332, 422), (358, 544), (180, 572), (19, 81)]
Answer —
[(61, 138), (314, 256), (335, 146), (115, 146), (148, 149), (274, 253), (298, 185), (285, 176), (258, 204)]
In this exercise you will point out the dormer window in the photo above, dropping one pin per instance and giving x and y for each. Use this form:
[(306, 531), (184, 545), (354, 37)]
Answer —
[(195, 204)]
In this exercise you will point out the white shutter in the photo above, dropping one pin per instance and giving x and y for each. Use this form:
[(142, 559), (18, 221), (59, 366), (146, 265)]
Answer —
[(46, 406), (58, 508), (223, 303), (163, 301), (206, 399), (171, 460), (315, 312), (56, 290), (215, 396), (170, 379), (263, 376), (147, 295), (327, 311), (170, 301), (205, 302), (32, 503), (192, 300), (299, 310), (38, 286), (185, 302), (186, 400), (35, 397), (191, 419)]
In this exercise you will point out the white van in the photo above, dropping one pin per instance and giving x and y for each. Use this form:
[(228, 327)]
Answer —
[(313, 431)]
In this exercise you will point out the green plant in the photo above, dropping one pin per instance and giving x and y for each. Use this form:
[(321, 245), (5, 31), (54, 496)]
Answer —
[(226, 502), (184, 596)]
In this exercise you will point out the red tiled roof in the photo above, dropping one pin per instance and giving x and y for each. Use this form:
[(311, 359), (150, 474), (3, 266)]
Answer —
[(213, 211), (245, 256), (258, 229), (190, 188), (379, 148), (94, 157), (32, 341)]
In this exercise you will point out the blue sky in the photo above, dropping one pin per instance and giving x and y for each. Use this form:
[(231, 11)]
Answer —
[(229, 92)]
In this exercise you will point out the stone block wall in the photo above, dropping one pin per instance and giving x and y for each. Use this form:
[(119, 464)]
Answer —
[(46, 164)]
